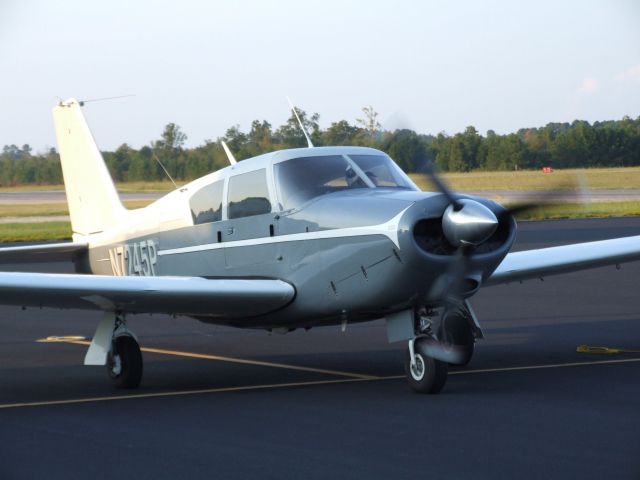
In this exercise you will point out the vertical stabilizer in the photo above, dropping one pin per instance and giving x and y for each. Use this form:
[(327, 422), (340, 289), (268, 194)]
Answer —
[(94, 204)]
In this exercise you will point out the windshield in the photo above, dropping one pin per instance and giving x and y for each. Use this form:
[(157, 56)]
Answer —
[(382, 171), (301, 179)]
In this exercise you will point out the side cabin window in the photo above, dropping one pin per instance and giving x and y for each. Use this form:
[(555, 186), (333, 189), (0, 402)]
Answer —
[(206, 203), (248, 194)]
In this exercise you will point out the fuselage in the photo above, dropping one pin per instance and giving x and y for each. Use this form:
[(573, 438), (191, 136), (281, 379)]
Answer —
[(343, 225)]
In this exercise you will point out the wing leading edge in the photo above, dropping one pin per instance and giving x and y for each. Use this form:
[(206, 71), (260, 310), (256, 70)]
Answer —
[(229, 298), (568, 258)]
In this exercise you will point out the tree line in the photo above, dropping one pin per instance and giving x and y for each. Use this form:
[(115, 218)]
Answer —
[(614, 143)]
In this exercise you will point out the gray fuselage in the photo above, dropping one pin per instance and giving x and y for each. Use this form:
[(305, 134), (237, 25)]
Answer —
[(353, 255)]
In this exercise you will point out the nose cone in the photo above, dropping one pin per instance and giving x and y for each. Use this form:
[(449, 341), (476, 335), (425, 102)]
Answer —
[(471, 224)]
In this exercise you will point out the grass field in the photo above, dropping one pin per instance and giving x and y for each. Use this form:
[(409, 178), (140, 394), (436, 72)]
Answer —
[(596, 178), (122, 187), (592, 178), (47, 209), (15, 232), (602, 178), (578, 210), (24, 232)]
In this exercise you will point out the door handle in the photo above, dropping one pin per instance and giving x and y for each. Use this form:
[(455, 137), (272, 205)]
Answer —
[(230, 231)]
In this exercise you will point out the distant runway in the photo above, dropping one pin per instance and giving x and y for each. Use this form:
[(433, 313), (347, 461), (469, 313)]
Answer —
[(501, 196), (59, 196), (224, 403), (527, 196)]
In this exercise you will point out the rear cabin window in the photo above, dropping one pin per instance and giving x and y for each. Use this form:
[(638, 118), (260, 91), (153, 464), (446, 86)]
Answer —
[(206, 203), (248, 195)]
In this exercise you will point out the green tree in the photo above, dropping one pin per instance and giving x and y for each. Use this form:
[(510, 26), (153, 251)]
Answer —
[(172, 138), (290, 135), (370, 126), (407, 149), (340, 133)]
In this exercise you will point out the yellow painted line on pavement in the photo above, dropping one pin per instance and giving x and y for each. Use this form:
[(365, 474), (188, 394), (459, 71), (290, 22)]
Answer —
[(298, 384), (540, 367), (605, 350), (244, 361), (62, 339), (76, 340), (185, 392)]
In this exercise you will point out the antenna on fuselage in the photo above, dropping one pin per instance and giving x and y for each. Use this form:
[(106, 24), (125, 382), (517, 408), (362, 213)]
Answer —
[(163, 167), (295, 112), (102, 99), (232, 159)]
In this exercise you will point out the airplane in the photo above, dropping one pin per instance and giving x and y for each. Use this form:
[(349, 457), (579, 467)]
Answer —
[(295, 238)]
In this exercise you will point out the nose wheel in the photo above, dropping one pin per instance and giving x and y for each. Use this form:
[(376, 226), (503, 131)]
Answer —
[(124, 362), (425, 374)]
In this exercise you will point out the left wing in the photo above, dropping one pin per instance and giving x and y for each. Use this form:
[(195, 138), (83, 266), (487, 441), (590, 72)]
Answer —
[(568, 258), (227, 298)]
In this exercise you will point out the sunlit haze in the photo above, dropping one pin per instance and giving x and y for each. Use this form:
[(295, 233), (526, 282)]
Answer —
[(429, 66)]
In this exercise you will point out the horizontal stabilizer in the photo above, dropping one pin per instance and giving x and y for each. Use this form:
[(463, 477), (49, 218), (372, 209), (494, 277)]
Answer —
[(48, 252)]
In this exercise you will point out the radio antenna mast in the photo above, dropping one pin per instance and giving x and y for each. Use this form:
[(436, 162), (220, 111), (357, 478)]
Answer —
[(306, 135), (161, 165), (82, 102), (230, 157)]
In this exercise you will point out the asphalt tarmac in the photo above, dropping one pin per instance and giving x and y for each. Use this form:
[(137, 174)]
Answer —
[(224, 403)]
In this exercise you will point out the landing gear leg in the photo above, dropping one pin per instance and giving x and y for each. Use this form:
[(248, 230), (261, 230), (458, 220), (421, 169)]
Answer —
[(124, 360), (115, 346)]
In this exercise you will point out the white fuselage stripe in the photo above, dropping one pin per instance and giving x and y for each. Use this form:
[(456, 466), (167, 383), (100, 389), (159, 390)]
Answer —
[(388, 229)]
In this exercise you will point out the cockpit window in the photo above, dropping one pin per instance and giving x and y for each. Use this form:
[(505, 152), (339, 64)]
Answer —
[(301, 179), (206, 203), (381, 171)]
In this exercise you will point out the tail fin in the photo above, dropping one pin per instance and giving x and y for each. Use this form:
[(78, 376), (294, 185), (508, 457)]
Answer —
[(94, 204)]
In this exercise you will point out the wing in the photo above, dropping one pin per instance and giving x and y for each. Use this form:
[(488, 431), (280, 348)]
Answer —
[(229, 298), (48, 252), (569, 258)]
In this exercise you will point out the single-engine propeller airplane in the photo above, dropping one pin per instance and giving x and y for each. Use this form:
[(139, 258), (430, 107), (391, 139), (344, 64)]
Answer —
[(290, 239)]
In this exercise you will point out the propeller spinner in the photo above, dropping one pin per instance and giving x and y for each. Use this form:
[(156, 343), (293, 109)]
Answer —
[(468, 222)]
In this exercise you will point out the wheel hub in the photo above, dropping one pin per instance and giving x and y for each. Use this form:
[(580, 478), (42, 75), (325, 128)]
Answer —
[(116, 365), (417, 368)]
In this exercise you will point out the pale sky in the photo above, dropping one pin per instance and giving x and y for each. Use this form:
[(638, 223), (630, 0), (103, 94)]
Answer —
[(207, 65)]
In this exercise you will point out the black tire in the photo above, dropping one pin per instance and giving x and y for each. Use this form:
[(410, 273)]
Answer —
[(127, 349), (430, 375), (455, 332)]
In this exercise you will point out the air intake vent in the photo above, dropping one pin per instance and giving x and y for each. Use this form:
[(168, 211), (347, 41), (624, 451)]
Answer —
[(499, 237), (430, 237)]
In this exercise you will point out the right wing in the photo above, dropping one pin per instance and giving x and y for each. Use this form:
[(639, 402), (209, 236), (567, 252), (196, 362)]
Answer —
[(542, 262), (228, 298)]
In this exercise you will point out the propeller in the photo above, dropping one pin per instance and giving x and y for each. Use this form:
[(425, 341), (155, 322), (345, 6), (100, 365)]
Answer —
[(567, 192), (467, 223)]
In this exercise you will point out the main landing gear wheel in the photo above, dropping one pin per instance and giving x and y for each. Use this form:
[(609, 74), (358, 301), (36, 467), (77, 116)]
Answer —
[(124, 362), (426, 375), (455, 333)]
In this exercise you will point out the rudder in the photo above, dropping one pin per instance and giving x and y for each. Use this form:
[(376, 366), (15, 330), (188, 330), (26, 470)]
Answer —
[(94, 203)]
